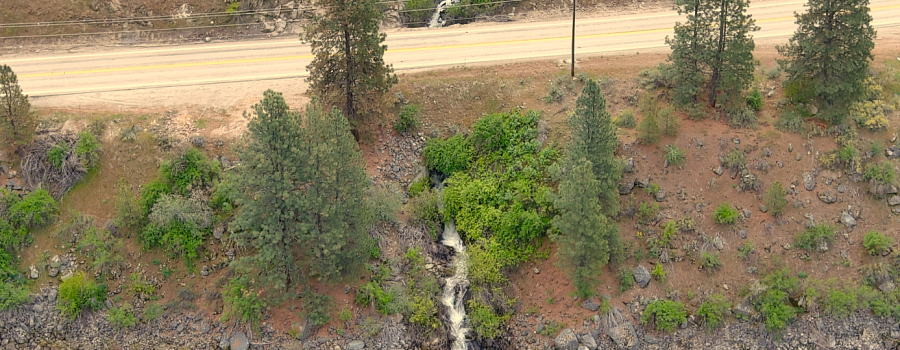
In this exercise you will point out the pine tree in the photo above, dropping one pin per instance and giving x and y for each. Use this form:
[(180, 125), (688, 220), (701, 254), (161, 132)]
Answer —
[(270, 193), (713, 47), (827, 59), (19, 122), (584, 234), (594, 138), (348, 70), (338, 211), (301, 194)]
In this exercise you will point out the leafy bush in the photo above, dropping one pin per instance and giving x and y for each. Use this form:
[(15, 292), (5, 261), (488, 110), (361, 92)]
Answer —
[(661, 76), (659, 273), (714, 310), (129, 213), (87, 148), (79, 292), (674, 155), (317, 307), (485, 322), (626, 279), (745, 249), (841, 303), (242, 301), (421, 185), (725, 214), (57, 154), (151, 192), (486, 263), (552, 328), (122, 317), (648, 130), (875, 274), (883, 173), (811, 237), (12, 295), (177, 224), (104, 250), (34, 210), (192, 169), (423, 210), (871, 113), (152, 312), (710, 260), (626, 119), (775, 199), (450, 155), (775, 309), (138, 285), (408, 119), (877, 243), (647, 212), (735, 160), (755, 99), (384, 203), (384, 301), (666, 314)]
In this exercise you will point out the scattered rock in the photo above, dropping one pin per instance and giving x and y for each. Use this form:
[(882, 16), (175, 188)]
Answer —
[(827, 198), (823, 246), (786, 246), (718, 170), (268, 28), (567, 340), (622, 335), (799, 157), (809, 181), (894, 200), (763, 208), (204, 271), (33, 272), (628, 166), (198, 141), (590, 304), (537, 271), (848, 220), (588, 341), (842, 189), (887, 286), (356, 345), (660, 195), (626, 188), (641, 276), (717, 242), (790, 147), (239, 341)]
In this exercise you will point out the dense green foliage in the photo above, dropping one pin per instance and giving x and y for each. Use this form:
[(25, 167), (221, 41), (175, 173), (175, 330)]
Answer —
[(714, 47), (827, 59), (87, 148), (775, 199), (12, 295), (659, 273), (122, 317), (18, 121), (725, 214), (317, 307), (348, 70), (177, 224), (302, 201), (449, 155), (877, 243), (710, 260), (485, 322), (408, 120), (714, 310), (57, 154), (812, 237), (841, 303), (626, 279), (674, 155), (79, 292), (883, 172), (626, 119), (104, 250), (191, 169), (666, 314), (243, 301), (34, 210), (17, 216), (773, 303)]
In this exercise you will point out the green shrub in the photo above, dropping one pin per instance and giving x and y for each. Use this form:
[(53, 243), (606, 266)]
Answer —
[(841, 303), (151, 192), (714, 310), (317, 307), (122, 317), (648, 130), (190, 169), (79, 292), (34, 210), (755, 99), (626, 119), (104, 250), (129, 214), (671, 125), (725, 214), (552, 328), (57, 154), (659, 273), (710, 260), (152, 312), (177, 224), (661, 76), (485, 322), (448, 156), (423, 313), (774, 72), (87, 148), (384, 203), (811, 237), (138, 285), (775, 309), (775, 199), (12, 295), (243, 302), (789, 121), (647, 212), (384, 301), (877, 243), (419, 186), (666, 314), (883, 173), (674, 155), (875, 274), (423, 210), (626, 279), (745, 249), (735, 160), (408, 119)]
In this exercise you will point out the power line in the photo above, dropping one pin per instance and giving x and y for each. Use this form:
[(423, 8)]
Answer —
[(125, 31), (469, 5)]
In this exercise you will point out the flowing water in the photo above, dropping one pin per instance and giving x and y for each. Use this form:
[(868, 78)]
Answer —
[(456, 288), (436, 20)]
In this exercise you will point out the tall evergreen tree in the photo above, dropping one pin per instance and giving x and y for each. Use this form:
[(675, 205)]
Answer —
[(828, 56), (584, 235), (713, 48), (594, 138), (301, 194), (348, 70), (19, 122)]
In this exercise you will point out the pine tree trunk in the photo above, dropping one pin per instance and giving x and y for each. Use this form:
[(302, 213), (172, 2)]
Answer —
[(717, 66)]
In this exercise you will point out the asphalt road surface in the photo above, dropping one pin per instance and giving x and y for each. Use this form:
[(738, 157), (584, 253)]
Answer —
[(104, 72)]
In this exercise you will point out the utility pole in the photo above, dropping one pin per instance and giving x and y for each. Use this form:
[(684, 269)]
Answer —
[(573, 38)]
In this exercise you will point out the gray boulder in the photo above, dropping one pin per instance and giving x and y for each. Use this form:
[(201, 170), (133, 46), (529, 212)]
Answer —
[(622, 335), (809, 181), (590, 304), (626, 187), (827, 198), (848, 220), (641, 276), (567, 340), (588, 341), (894, 200), (356, 345), (239, 341), (628, 166), (660, 195)]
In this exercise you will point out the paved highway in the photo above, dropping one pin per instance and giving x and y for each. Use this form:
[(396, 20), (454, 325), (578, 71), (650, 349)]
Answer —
[(106, 70)]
